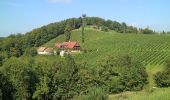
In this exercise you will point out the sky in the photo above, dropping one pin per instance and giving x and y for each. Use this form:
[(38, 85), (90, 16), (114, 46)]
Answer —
[(21, 16)]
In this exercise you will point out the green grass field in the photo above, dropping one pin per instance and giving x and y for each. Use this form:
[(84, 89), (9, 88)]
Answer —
[(151, 50), (157, 94)]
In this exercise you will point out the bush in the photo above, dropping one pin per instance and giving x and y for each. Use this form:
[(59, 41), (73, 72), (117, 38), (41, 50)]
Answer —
[(30, 52), (6, 88), (104, 28), (122, 74), (162, 79)]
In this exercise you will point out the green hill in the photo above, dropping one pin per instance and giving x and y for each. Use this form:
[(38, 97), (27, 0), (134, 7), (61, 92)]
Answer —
[(148, 49)]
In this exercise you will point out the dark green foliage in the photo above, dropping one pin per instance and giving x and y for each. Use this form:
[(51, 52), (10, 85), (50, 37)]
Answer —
[(104, 28), (134, 79), (124, 27), (83, 25), (168, 32), (64, 79), (95, 21), (162, 79), (30, 52), (13, 45), (67, 31), (3, 56), (41, 35), (82, 34), (67, 80), (146, 31), (22, 77), (59, 81), (6, 88), (122, 74)]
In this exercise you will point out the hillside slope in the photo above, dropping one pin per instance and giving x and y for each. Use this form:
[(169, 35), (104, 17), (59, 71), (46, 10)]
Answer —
[(151, 50), (148, 49)]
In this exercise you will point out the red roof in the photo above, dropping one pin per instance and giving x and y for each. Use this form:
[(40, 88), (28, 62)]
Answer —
[(67, 45)]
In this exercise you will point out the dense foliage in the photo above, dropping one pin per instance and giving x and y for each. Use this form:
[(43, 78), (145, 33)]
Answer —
[(162, 79), (25, 78), (122, 74)]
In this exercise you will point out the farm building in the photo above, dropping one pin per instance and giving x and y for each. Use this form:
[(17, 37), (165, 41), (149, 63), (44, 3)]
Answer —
[(70, 46), (45, 51)]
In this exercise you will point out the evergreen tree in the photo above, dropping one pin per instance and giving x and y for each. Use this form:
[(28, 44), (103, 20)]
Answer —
[(83, 25)]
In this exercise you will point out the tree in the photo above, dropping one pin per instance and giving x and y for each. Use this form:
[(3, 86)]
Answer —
[(67, 32), (162, 79), (124, 27), (3, 56), (163, 32), (20, 73), (122, 74), (83, 25), (104, 28), (67, 79), (58, 80), (6, 88), (147, 31), (13, 45), (30, 52)]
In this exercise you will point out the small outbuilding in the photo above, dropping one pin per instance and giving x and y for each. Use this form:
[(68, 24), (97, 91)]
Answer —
[(45, 51)]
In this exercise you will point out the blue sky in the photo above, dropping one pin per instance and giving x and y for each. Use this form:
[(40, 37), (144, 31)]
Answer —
[(20, 16)]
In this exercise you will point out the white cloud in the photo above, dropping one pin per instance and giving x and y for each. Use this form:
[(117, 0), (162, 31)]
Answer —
[(60, 1)]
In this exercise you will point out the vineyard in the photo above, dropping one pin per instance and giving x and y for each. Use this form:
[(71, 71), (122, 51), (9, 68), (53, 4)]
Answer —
[(148, 49)]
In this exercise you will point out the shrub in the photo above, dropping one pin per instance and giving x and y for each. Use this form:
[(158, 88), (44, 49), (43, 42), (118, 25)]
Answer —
[(122, 74), (104, 28), (162, 79), (30, 52)]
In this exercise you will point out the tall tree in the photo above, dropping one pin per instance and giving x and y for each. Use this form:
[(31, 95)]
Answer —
[(83, 25), (124, 27), (67, 32)]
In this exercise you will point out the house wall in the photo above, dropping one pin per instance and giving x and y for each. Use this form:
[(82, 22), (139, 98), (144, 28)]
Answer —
[(45, 53)]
